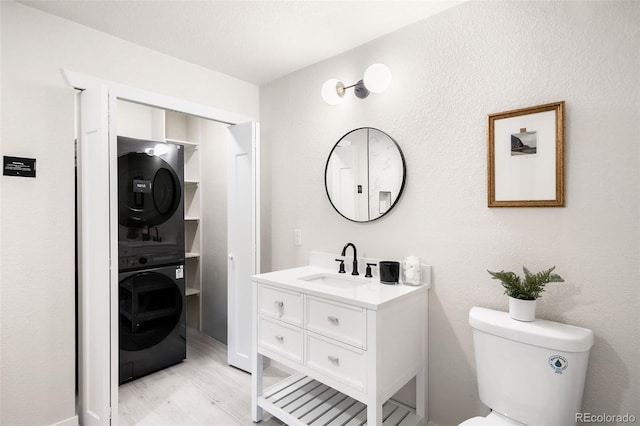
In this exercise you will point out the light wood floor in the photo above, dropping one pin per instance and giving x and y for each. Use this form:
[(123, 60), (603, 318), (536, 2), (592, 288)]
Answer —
[(202, 390)]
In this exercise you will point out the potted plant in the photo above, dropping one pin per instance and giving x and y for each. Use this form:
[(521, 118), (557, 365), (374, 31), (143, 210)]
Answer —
[(524, 292)]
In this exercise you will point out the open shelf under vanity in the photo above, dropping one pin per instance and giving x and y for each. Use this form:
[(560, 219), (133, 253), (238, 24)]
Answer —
[(301, 400)]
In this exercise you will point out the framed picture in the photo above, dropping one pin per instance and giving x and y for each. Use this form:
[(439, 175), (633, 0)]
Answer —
[(526, 157)]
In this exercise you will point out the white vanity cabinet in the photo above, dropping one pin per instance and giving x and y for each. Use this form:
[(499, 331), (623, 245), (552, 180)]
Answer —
[(353, 348)]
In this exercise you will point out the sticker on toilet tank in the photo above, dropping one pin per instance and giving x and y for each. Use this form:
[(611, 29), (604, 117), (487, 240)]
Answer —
[(558, 363)]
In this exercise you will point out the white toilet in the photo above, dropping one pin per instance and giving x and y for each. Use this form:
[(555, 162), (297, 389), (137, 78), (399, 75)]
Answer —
[(529, 373)]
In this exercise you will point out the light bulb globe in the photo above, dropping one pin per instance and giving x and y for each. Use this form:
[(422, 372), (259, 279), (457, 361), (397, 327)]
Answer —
[(377, 78), (330, 91)]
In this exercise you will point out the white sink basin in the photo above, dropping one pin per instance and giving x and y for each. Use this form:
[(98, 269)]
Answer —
[(336, 280)]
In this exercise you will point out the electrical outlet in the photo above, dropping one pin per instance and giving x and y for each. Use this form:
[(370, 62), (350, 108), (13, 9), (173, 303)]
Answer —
[(297, 237)]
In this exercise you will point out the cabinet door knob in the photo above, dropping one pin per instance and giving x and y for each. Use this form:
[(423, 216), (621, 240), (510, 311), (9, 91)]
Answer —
[(334, 359), (280, 338), (333, 320), (230, 256)]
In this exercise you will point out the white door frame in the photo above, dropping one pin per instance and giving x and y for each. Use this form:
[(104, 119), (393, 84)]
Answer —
[(103, 239)]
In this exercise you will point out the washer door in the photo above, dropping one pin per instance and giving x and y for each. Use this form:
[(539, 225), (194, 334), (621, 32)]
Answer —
[(149, 190), (150, 308)]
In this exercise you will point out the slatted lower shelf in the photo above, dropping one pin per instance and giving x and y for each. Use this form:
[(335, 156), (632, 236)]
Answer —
[(301, 400)]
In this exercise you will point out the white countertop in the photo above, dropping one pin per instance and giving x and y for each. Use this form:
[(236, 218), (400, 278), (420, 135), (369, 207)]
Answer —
[(370, 294)]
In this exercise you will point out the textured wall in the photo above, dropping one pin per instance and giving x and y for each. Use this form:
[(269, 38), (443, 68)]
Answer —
[(37, 347), (449, 72)]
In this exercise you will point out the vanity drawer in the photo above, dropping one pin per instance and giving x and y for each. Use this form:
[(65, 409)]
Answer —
[(280, 338), (280, 304), (347, 323), (342, 362)]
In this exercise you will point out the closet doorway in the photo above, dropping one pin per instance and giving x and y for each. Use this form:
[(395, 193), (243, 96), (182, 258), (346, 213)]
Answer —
[(100, 123)]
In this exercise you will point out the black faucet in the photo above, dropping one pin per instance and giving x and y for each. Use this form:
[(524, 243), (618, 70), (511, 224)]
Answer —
[(355, 257)]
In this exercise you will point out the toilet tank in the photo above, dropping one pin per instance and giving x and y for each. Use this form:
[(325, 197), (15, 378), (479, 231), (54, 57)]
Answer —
[(532, 372)]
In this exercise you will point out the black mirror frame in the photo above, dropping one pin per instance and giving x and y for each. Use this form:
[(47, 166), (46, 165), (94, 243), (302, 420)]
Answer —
[(404, 175)]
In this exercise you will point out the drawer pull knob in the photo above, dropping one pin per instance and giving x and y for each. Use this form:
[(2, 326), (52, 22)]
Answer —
[(279, 304), (333, 320), (334, 359), (280, 338)]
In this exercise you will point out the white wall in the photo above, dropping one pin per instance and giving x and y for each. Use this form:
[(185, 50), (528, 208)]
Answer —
[(449, 72), (37, 120)]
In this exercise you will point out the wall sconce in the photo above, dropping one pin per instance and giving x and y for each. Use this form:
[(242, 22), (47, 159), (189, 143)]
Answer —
[(377, 78)]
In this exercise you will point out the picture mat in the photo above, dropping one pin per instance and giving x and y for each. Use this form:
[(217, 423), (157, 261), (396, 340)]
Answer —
[(525, 177)]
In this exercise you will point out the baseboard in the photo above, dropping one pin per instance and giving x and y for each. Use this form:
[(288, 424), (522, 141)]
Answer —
[(71, 421)]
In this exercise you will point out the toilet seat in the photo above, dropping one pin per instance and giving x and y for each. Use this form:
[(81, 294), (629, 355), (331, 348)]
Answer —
[(493, 419)]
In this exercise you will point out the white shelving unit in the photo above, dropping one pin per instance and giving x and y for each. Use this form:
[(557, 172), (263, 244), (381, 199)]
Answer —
[(182, 129), (143, 122)]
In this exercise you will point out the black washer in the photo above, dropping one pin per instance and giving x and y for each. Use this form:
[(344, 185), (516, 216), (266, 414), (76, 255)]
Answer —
[(152, 320)]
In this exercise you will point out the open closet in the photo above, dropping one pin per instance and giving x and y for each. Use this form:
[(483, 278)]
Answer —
[(197, 137), (221, 232)]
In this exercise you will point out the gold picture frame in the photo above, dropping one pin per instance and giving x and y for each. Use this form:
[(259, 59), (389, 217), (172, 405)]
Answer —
[(526, 157)]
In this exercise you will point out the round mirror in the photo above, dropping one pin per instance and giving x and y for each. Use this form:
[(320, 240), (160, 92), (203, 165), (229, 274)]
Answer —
[(365, 174)]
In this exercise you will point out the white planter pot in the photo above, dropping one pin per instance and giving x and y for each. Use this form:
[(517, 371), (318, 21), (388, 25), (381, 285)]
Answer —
[(522, 310)]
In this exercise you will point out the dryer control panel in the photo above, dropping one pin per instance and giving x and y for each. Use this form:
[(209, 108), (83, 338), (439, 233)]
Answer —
[(147, 260)]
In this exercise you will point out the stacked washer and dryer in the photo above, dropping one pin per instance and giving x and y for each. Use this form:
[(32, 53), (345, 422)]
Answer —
[(152, 308)]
